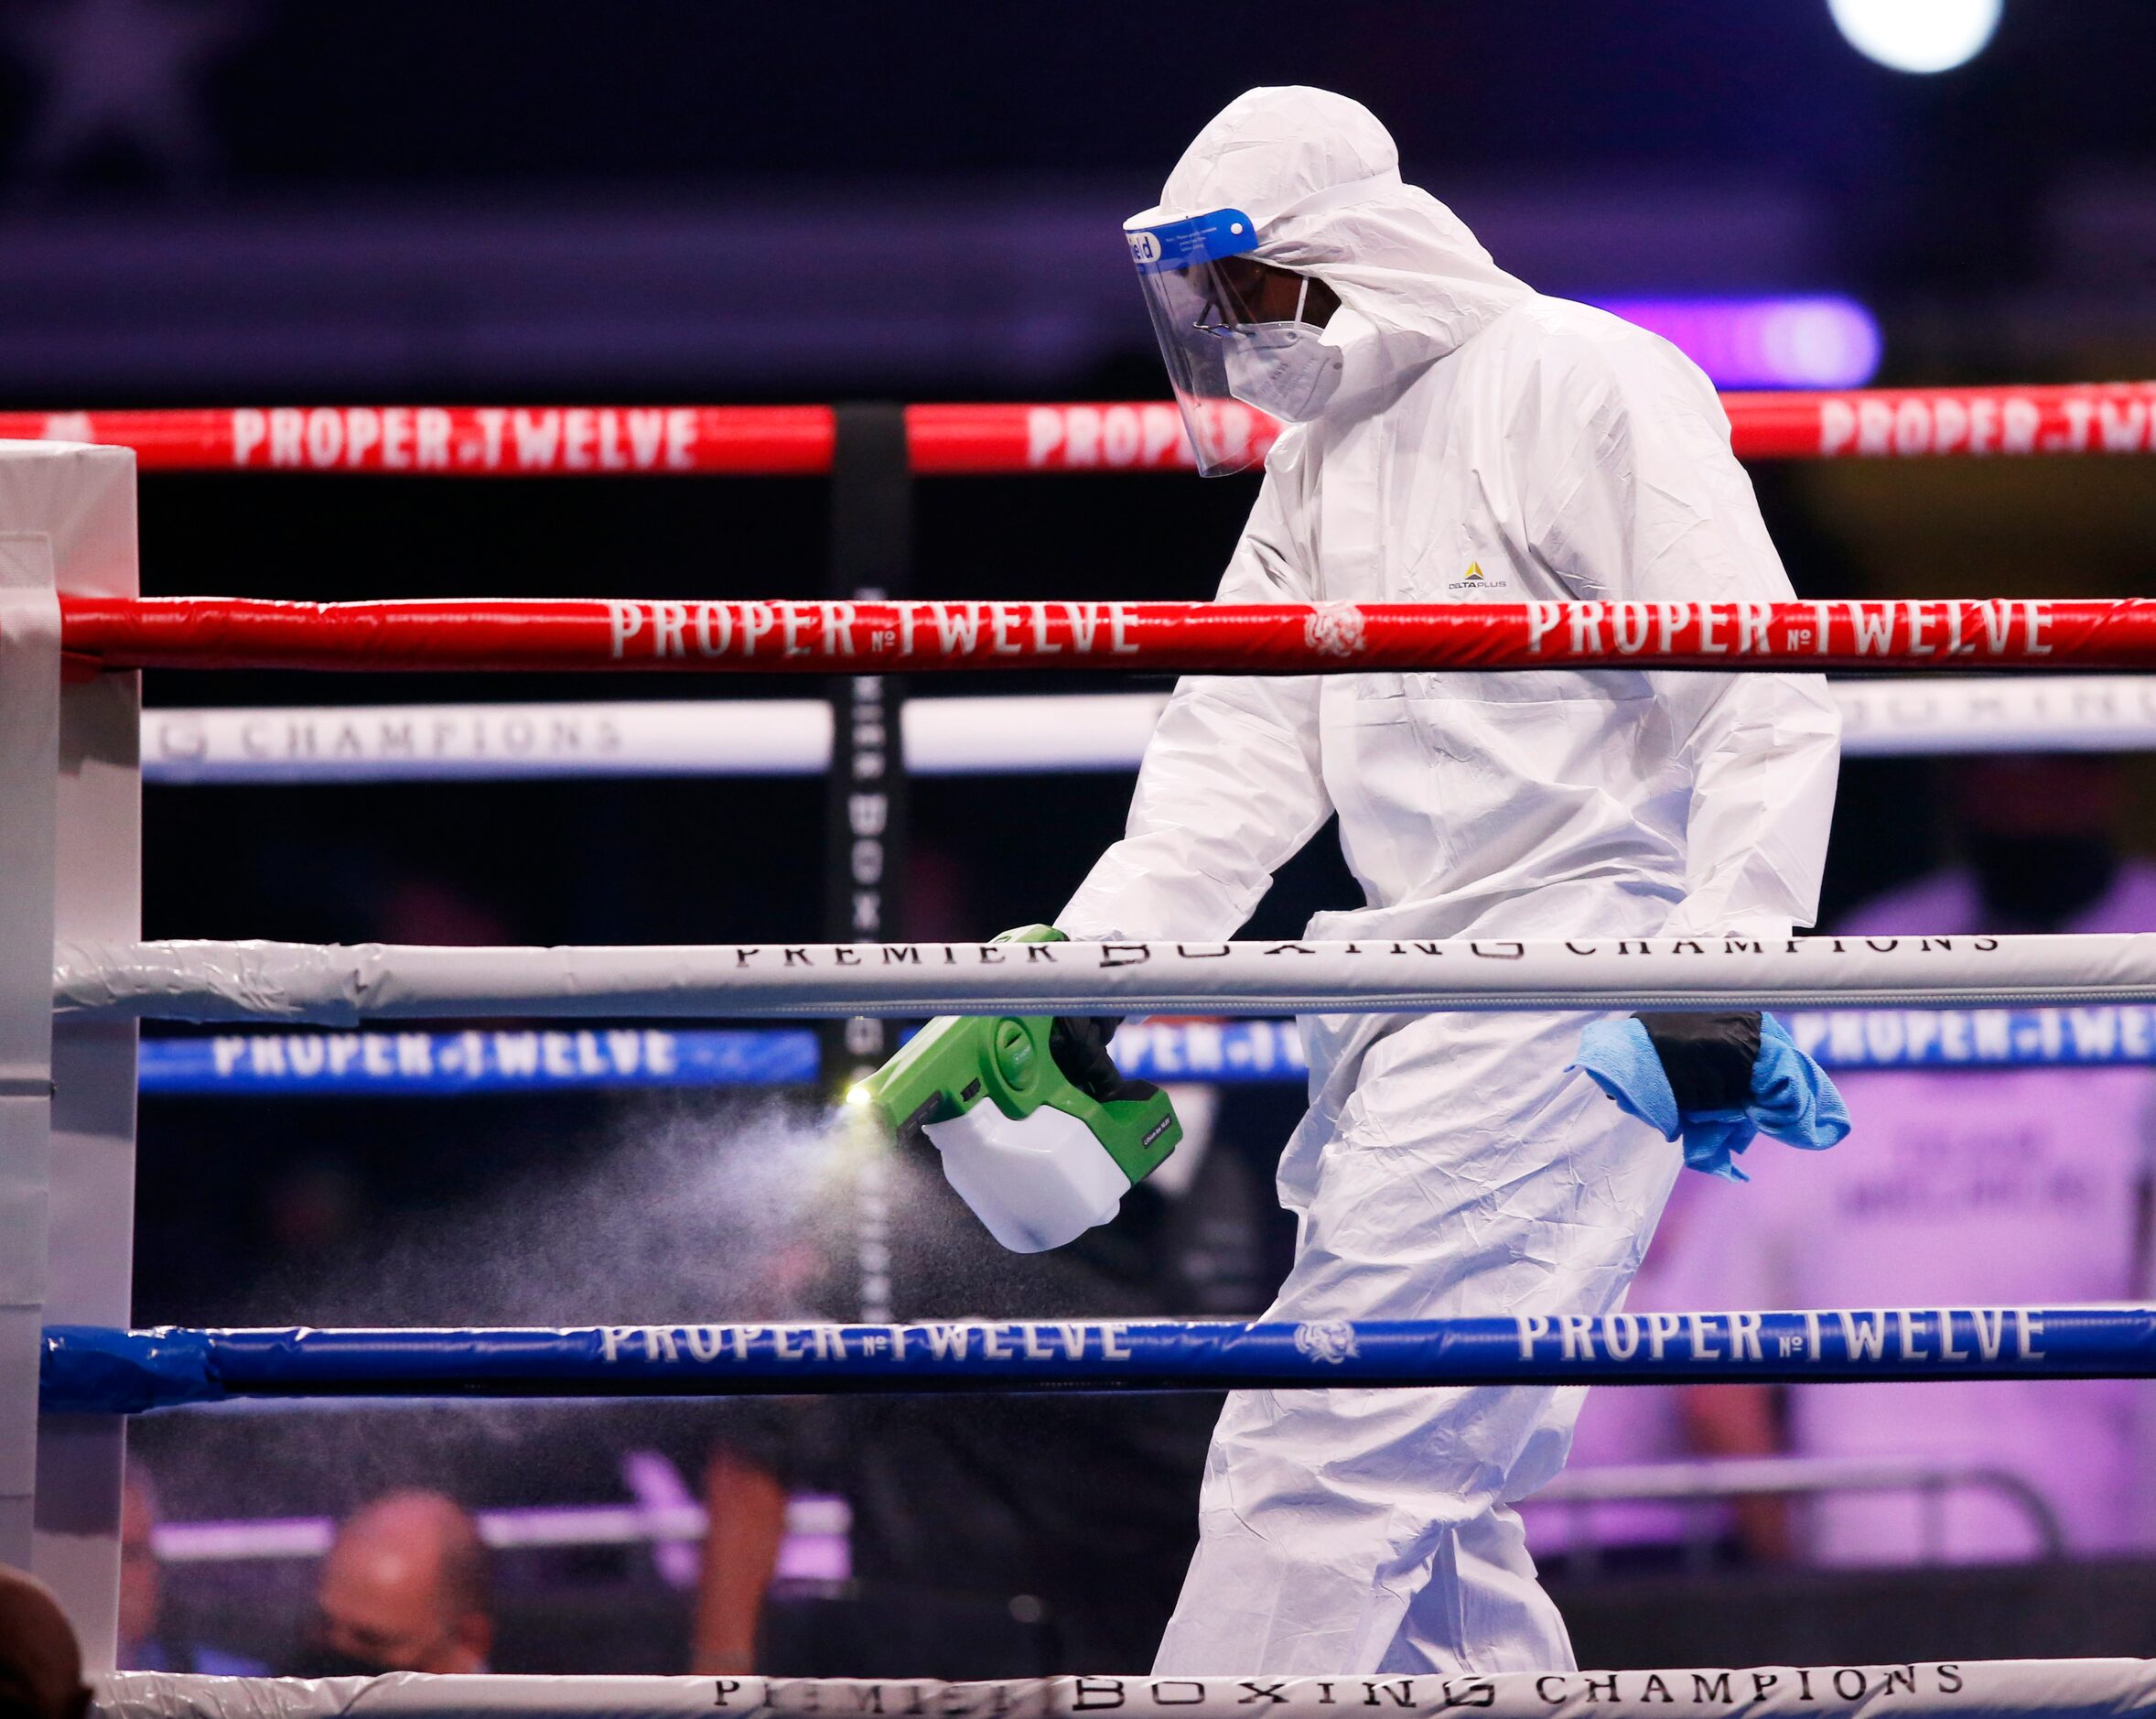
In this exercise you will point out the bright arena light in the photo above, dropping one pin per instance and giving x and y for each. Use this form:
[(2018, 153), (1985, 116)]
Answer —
[(1918, 35)]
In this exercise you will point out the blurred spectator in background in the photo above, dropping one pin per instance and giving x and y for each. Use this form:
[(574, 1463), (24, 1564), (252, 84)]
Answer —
[(147, 1640), (1961, 1187), (406, 1587), (745, 1505), (40, 1666)]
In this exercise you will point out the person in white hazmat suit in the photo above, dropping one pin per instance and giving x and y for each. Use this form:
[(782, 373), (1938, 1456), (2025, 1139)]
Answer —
[(1454, 437)]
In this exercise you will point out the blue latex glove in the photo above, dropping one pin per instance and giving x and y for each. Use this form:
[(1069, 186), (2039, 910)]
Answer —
[(1792, 1098)]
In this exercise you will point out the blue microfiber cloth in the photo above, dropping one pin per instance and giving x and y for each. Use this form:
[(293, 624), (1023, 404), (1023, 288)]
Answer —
[(1792, 1098)]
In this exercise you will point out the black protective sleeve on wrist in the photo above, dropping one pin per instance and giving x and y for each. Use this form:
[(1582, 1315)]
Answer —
[(1080, 1045), (1708, 1057)]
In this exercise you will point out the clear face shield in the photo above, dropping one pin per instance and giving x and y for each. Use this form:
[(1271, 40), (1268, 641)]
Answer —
[(1199, 281)]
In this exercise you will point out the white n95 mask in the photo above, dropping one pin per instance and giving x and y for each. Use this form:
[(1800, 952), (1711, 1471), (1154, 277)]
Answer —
[(1283, 368)]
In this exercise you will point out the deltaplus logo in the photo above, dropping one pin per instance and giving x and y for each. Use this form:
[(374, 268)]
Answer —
[(1475, 580)]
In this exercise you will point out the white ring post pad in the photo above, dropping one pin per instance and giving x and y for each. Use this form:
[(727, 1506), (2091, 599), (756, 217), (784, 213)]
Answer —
[(70, 781), (29, 769)]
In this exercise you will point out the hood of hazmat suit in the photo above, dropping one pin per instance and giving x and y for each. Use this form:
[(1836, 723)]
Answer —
[(1484, 443), (1306, 181)]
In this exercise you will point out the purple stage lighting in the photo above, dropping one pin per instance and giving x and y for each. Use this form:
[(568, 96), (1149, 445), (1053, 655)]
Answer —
[(1810, 342)]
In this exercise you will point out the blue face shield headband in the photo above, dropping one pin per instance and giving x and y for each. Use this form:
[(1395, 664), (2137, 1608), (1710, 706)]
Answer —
[(1173, 246), (1191, 300)]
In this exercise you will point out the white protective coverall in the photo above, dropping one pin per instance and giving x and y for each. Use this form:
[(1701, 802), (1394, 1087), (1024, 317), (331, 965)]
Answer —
[(1486, 444)]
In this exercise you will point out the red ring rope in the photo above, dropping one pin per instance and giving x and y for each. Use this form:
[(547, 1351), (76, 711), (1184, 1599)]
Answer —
[(823, 638), (674, 440)]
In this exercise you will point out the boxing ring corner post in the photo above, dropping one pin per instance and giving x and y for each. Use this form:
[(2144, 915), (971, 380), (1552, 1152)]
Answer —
[(70, 855)]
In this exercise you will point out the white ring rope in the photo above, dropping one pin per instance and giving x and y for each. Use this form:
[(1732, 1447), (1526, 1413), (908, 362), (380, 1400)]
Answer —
[(1992, 1689), (965, 736), (1913, 716), (337, 985), (688, 737), (250, 1539)]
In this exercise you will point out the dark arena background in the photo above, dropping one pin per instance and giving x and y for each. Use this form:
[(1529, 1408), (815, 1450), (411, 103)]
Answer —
[(546, 206)]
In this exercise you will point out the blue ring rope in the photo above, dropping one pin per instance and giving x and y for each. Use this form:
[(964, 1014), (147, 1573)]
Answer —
[(1228, 1053), (444, 1065), (94, 1370)]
